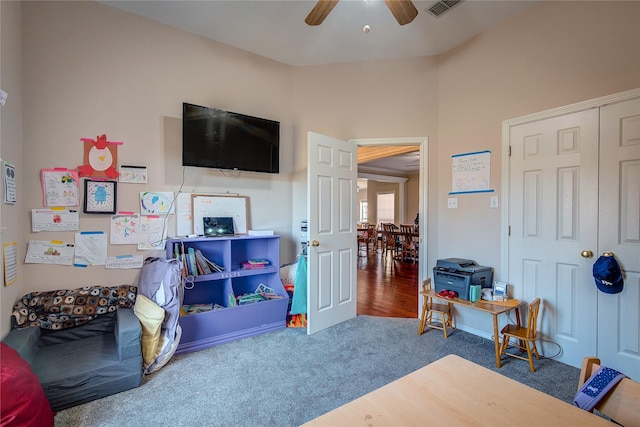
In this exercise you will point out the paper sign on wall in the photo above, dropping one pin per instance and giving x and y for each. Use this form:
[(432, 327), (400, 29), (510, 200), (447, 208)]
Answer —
[(49, 252), (54, 220), (9, 183), (471, 172), (91, 248), (10, 253)]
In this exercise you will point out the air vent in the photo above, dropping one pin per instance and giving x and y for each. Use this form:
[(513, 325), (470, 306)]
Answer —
[(442, 6)]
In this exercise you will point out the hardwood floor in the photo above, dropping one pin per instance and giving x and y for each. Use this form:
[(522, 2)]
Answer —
[(387, 287)]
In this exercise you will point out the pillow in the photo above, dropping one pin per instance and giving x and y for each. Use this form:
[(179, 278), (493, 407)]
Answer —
[(151, 316)]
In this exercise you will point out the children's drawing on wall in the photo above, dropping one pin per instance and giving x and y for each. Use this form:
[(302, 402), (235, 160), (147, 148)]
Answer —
[(100, 197), (100, 158), (124, 229), (59, 187), (156, 203), (133, 174), (152, 233)]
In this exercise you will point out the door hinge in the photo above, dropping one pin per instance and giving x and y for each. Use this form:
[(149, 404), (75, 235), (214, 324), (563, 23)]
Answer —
[(509, 231), (509, 151)]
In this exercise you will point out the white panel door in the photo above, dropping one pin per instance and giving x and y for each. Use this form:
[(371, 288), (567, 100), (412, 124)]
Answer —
[(553, 217), (619, 231), (332, 216)]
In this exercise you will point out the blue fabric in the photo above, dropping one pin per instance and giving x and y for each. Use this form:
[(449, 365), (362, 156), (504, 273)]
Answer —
[(596, 387), (299, 300)]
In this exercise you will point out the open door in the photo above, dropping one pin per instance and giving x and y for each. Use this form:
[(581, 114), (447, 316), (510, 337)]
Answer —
[(331, 255)]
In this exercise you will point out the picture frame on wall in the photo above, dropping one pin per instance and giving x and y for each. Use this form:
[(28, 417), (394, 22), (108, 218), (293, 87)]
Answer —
[(100, 197)]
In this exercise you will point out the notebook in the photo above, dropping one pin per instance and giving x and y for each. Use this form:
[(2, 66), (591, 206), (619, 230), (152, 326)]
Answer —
[(214, 226)]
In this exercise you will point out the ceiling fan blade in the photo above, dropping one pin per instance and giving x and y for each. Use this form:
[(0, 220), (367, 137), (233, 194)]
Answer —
[(320, 12), (403, 10)]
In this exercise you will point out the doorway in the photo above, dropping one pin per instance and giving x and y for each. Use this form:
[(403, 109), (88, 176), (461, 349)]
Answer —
[(422, 144)]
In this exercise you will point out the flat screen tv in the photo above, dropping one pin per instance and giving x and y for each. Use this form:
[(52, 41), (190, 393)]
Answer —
[(219, 139)]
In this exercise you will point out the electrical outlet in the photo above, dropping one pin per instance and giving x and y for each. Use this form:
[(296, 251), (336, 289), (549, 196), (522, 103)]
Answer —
[(493, 202), (452, 203)]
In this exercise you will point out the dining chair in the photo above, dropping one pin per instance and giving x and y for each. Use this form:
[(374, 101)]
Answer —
[(430, 308), (362, 240), (525, 336), (365, 238), (370, 239), (621, 402), (389, 239), (409, 250)]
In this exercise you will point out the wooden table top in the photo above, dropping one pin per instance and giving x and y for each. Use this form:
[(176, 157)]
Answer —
[(455, 392), (496, 307)]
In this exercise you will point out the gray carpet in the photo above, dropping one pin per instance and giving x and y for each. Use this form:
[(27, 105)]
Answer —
[(286, 378)]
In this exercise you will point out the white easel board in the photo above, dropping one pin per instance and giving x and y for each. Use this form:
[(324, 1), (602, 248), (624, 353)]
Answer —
[(203, 205)]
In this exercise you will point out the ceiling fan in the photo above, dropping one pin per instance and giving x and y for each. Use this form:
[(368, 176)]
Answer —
[(403, 10)]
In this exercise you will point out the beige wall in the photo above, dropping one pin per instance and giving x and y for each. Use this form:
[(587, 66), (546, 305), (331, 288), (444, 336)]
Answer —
[(556, 54), (11, 216), (88, 69), (412, 205), (372, 99)]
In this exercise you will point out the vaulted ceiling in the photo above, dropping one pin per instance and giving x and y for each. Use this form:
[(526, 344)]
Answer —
[(276, 28)]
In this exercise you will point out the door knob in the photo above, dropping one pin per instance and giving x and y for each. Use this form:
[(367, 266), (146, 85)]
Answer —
[(607, 253), (315, 243), (586, 254)]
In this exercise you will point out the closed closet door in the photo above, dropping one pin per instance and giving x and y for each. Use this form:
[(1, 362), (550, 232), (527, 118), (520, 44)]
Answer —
[(553, 216), (574, 193), (619, 233)]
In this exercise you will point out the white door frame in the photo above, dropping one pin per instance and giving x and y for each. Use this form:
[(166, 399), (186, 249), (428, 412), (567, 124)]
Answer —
[(423, 189), (506, 169)]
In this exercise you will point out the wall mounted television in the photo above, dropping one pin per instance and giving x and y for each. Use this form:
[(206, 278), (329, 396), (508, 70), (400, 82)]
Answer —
[(218, 139)]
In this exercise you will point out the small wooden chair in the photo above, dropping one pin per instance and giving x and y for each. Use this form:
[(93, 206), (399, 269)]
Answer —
[(621, 403), (526, 336), (429, 308)]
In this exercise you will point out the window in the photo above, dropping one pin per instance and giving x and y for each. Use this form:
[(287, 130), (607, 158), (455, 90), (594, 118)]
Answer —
[(386, 207), (364, 209)]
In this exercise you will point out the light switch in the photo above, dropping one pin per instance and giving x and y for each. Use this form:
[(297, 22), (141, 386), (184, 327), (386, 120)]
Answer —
[(493, 202), (452, 203)]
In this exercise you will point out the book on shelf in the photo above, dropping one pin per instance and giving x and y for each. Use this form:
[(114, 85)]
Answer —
[(250, 299), (202, 263), (215, 268), (178, 252), (191, 262), (194, 262), (189, 309), (255, 263)]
